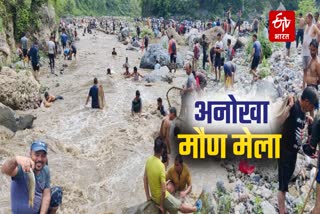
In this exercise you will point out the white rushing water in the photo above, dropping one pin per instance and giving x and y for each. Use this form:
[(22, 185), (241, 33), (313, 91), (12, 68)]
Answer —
[(98, 156)]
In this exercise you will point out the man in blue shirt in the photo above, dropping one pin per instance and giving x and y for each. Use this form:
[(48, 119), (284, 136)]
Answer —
[(64, 38), (94, 94), (45, 198), (34, 55), (256, 56)]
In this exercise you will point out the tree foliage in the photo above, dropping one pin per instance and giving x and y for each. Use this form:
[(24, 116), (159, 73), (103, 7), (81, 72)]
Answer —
[(306, 6), (204, 9)]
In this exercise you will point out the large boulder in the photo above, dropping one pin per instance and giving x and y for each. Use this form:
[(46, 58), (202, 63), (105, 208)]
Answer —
[(19, 90), (47, 22), (241, 42), (136, 44), (14, 122), (162, 74), (211, 34), (225, 40), (124, 34), (157, 52), (192, 36), (172, 32)]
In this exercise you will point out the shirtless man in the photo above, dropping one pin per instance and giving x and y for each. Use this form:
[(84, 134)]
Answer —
[(317, 23), (49, 99), (300, 30), (135, 74), (165, 127), (311, 32), (313, 69)]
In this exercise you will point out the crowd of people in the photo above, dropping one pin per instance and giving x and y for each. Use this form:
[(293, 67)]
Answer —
[(168, 186)]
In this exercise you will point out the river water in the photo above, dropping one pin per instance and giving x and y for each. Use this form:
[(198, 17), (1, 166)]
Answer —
[(98, 156)]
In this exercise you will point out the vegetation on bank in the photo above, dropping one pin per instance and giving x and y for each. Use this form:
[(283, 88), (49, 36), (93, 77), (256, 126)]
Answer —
[(97, 7), (204, 9)]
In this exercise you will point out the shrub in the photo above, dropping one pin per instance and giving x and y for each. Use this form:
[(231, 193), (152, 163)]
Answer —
[(147, 31), (266, 46)]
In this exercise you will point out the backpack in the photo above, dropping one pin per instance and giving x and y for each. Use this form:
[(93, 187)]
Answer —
[(174, 47)]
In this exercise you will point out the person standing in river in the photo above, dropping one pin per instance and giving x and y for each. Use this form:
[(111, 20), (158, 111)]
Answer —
[(204, 43), (94, 94), (51, 53), (34, 56)]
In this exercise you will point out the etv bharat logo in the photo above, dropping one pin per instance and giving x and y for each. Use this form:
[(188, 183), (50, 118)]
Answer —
[(282, 26)]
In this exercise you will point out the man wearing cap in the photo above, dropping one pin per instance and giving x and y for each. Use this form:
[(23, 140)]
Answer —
[(46, 199), (292, 135)]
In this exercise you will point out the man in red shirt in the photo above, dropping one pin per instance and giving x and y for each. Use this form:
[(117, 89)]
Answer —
[(172, 50)]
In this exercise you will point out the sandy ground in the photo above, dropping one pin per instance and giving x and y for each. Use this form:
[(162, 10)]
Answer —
[(98, 156)]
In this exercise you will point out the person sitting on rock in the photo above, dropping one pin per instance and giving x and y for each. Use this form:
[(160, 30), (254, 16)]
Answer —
[(178, 178), (114, 53), (135, 74), (157, 66), (49, 99)]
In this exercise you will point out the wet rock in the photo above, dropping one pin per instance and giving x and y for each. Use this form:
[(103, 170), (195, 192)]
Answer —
[(232, 179), (14, 122), (5, 133), (157, 52), (179, 39), (192, 37), (240, 209), (136, 44), (267, 208), (240, 42), (124, 34), (131, 48), (229, 167), (19, 91), (212, 33), (255, 178), (159, 75), (264, 193), (220, 187)]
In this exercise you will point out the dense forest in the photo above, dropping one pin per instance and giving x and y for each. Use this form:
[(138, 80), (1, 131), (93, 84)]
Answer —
[(25, 13), (210, 8)]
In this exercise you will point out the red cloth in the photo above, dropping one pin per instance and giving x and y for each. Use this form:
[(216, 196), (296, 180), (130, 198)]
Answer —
[(245, 168)]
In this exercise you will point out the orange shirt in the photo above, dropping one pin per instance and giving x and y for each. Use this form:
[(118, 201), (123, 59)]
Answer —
[(170, 45)]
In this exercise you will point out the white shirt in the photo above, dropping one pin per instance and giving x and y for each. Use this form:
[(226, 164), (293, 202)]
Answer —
[(219, 44), (51, 47)]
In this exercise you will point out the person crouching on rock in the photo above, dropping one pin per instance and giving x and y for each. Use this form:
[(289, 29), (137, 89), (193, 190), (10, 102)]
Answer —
[(49, 99), (47, 199)]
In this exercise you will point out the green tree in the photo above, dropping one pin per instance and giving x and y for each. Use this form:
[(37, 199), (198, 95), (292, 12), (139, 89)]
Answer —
[(306, 6)]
